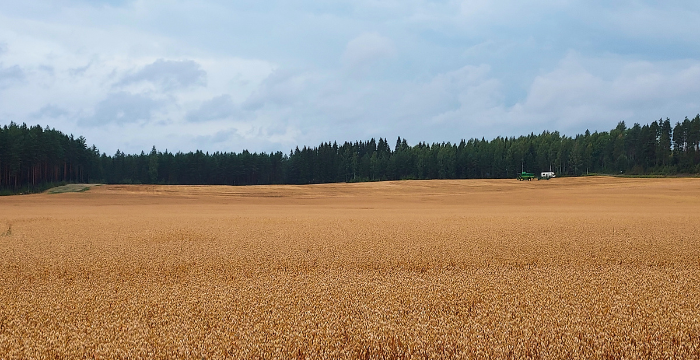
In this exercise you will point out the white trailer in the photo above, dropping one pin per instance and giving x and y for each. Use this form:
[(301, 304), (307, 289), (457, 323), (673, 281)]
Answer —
[(547, 175)]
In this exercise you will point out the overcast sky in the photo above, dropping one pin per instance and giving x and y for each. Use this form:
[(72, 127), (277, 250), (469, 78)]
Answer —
[(271, 75)]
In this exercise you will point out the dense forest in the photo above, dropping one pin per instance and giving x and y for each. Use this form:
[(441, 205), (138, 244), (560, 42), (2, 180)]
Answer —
[(33, 158)]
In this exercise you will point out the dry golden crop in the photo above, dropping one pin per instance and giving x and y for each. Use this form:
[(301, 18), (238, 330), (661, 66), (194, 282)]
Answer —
[(567, 268)]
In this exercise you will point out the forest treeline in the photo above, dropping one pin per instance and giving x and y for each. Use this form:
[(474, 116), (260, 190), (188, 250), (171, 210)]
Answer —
[(33, 158)]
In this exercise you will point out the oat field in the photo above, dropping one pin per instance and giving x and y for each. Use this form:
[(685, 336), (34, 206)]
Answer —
[(599, 268)]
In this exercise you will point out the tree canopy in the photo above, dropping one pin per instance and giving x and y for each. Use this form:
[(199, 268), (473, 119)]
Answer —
[(33, 158)]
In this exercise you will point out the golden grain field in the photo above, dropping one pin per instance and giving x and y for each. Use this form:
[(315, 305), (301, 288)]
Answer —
[(567, 268)]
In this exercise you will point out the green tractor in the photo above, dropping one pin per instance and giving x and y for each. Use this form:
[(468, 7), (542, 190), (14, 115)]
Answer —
[(526, 176)]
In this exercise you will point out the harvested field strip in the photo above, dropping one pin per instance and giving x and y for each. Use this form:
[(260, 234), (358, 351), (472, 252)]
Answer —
[(70, 188)]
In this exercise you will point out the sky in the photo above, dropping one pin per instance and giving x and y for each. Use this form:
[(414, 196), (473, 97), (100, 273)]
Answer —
[(272, 75)]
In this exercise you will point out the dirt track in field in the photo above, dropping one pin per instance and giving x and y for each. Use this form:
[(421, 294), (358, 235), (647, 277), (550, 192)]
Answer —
[(568, 268)]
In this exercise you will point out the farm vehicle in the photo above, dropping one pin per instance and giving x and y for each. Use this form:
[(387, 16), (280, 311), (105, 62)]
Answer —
[(526, 176)]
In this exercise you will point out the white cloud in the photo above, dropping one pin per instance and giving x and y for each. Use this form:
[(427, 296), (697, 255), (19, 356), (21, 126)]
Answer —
[(581, 93), (364, 51), (471, 8)]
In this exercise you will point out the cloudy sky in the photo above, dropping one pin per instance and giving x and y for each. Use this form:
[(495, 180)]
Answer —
[(271, 75)]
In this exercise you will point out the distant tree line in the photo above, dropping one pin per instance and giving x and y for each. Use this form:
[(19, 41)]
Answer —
[(34, 158)]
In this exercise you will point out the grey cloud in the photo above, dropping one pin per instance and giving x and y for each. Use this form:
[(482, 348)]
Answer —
[(122, 108), (279, 128), (169, 74), (220, 107), (49, 70), (281, 88), (79, 70), (49, 111), (218, 137), (113, 3), (10, 75)]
